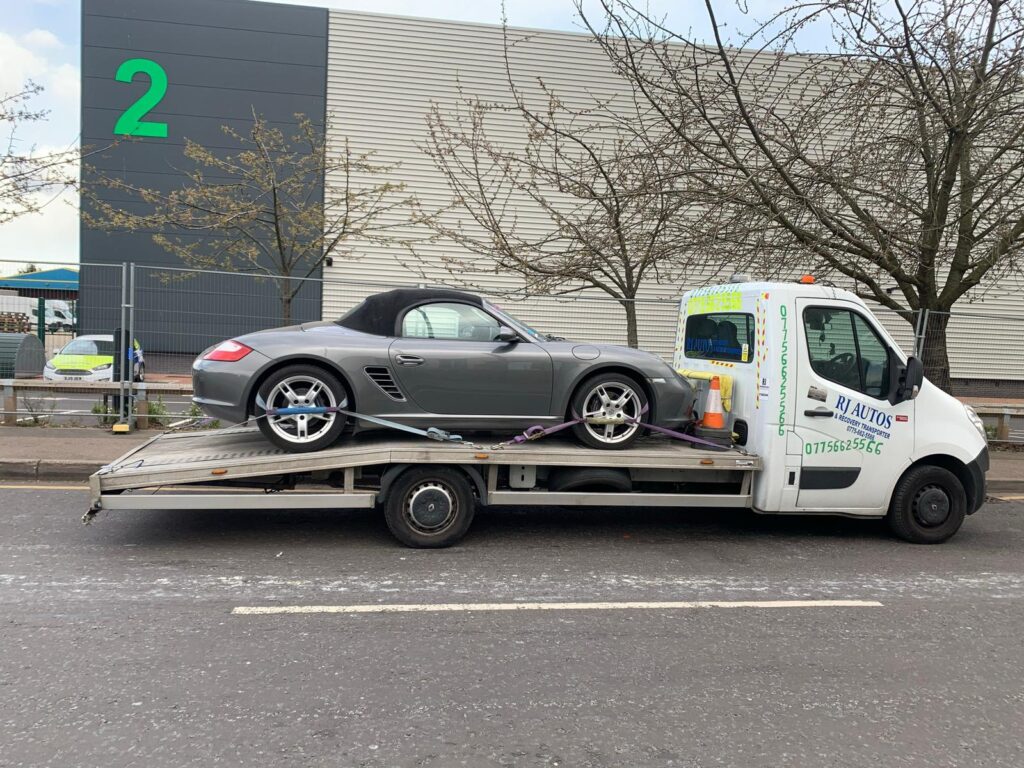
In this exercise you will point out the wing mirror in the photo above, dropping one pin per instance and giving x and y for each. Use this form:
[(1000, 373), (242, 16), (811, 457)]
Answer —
[(507, 335), (910, 378)]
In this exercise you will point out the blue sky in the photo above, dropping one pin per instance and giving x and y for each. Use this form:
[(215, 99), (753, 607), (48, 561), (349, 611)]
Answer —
[(39, 39)]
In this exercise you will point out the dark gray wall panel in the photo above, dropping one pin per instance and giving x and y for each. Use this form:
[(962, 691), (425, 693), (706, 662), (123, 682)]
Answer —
[(223, 59), (233, 14), (196, 40), (214, 71)]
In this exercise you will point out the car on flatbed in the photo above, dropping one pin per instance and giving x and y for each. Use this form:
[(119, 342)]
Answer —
[(436, 357)]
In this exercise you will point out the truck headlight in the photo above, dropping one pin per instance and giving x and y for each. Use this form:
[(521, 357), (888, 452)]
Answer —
[(975, 419)]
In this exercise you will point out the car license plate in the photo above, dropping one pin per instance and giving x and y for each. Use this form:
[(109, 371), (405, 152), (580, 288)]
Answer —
[(73, 378)]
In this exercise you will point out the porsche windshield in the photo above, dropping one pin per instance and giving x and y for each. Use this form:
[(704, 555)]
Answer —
[(516, 324)]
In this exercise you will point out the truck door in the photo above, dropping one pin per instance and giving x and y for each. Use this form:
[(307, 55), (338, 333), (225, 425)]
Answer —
[(851, 437)]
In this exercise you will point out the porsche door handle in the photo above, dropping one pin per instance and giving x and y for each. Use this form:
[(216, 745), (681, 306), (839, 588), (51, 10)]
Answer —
[(819, 411), (409, 360)]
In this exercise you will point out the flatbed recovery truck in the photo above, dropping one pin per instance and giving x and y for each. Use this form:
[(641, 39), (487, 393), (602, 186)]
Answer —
[(828, 416)]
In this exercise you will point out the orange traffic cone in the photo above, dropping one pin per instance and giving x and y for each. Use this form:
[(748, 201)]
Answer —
[(714, 416)]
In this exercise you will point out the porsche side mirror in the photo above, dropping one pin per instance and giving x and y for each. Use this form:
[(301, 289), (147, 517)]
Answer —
[(507, 335)]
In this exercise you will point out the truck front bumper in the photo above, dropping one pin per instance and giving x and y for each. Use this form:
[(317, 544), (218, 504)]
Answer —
[(977, 470)]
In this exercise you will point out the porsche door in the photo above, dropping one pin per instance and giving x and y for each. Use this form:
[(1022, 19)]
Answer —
[(447, 361)]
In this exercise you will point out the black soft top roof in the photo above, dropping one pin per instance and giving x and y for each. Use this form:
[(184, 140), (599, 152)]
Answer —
[(378, 314)]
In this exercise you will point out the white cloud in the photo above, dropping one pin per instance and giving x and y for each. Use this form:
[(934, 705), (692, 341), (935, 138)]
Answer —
[(41, 38), (50, 235)]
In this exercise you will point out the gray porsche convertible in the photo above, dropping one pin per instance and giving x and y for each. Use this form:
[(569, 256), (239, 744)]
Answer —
[(433, 358)]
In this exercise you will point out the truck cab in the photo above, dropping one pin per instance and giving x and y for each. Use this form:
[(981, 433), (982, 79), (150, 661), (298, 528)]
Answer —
[(843, 419)]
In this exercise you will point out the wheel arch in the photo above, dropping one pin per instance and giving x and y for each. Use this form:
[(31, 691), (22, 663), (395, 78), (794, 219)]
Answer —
[(626, 370), (282, 362), (392, 473), (974, 486)]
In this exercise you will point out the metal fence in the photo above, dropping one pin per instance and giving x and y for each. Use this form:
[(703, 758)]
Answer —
[(176, 313)]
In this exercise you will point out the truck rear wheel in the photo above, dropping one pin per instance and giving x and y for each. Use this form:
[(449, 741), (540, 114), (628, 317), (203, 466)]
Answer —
[(928, 505), (429, 507)]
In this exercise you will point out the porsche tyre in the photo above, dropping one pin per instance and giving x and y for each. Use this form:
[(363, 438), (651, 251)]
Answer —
[(928, 505), (614, 402), (430, 507), (301, 386)]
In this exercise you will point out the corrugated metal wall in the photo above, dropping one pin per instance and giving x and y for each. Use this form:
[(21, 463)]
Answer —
[(385, 72)]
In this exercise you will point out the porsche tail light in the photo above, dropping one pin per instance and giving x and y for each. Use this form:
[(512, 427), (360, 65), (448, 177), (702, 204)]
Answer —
[(228, 352)]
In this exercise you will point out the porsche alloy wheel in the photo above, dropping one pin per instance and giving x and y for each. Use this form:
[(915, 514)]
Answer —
[(302, 386), (612, 404)]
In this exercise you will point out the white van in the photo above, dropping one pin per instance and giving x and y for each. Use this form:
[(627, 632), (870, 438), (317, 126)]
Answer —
[(844, 421)]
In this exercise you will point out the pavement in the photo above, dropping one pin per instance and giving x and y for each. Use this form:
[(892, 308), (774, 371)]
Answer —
[(132, 641), (66, 453)]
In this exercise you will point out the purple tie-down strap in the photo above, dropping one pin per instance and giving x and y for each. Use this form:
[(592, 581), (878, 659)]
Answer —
[(536, 432)]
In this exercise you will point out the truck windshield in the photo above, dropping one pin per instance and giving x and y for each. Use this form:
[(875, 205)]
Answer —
[(720, 336), (89, 347)]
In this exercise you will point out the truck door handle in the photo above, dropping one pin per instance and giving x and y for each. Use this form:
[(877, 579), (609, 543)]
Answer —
[(819, 411), (409, 360)]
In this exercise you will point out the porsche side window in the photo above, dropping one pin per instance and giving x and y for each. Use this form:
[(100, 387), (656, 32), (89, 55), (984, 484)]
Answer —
[(449, 320), (727, 336), (843, 348)]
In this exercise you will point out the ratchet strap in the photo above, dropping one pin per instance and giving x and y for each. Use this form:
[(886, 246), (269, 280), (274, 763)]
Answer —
[(537, 432), (431, 433)]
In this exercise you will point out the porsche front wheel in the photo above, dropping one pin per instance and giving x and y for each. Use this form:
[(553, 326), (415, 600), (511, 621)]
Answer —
[(299, 387), (611, 404)]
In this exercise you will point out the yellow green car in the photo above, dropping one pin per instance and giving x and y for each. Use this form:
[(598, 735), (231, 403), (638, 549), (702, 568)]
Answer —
[(91, 358)]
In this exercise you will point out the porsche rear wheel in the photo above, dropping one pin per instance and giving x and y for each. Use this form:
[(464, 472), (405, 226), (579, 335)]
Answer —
[(301, 386), (612, 403)]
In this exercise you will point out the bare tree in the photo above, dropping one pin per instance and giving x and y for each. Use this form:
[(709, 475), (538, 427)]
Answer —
[(29, 179), (581, 202), (259, 208), (895, 160)]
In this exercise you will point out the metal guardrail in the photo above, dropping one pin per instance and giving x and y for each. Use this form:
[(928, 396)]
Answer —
[(1003, 415), (142, 392)]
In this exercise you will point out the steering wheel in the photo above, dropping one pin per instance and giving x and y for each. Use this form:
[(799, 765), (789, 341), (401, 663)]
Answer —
[(843, 363)]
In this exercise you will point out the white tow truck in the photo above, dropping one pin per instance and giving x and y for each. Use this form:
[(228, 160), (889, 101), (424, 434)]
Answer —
[(828, 416)]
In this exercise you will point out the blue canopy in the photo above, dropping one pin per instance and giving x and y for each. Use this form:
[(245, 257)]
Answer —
[(60, 279)]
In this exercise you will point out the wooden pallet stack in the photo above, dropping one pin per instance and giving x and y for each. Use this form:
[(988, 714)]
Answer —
[(15, 322)]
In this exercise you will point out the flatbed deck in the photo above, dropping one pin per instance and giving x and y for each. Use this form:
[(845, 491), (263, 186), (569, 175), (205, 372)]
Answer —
[(205, 460)]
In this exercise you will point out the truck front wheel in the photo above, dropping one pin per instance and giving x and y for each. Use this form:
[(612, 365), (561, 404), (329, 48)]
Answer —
[(928, 505), (429, 507)]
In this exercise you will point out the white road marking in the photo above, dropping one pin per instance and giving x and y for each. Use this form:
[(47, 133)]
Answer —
[(268, 610), (1003, 497)]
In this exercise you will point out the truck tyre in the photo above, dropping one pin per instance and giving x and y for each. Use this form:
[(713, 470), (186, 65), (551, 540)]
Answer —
[(430, 507), (928, 505), (297, 386), (612, 395)]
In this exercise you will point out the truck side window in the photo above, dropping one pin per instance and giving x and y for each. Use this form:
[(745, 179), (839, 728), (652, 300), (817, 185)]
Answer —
[(727, 336), (844, 348)]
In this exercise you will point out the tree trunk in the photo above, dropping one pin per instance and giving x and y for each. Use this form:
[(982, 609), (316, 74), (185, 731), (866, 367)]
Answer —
[(632, 338), (286, 310), (934, 352)]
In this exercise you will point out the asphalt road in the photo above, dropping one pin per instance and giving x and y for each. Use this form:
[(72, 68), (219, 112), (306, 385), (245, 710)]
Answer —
[(119, 645)]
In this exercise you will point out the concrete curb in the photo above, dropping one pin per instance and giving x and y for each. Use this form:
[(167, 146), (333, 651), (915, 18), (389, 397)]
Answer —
[(47, 469)]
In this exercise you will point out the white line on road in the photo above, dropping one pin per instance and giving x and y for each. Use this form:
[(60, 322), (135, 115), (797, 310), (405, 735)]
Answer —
[(267, 610)]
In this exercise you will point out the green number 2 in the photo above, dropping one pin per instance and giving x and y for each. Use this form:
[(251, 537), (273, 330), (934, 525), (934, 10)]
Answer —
[(130, 122)]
